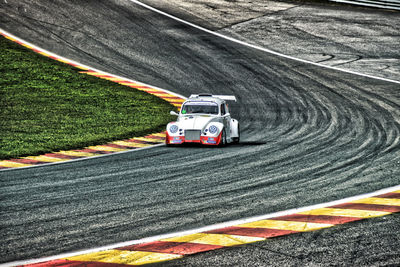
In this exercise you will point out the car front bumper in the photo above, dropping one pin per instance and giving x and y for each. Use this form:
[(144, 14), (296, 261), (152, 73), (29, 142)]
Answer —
[(205, 140)]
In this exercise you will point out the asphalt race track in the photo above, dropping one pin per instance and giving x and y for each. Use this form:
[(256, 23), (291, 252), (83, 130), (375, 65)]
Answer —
[(309, 135)]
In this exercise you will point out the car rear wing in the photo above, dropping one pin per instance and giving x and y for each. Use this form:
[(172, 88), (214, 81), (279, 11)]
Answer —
[(223, 97)]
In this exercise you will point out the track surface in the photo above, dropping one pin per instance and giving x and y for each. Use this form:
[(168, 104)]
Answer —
[(309, 135), (353, 38)]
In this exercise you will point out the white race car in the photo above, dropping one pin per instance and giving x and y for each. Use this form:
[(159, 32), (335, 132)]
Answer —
[(204, 119)]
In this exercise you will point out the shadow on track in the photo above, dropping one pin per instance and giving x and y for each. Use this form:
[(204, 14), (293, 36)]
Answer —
[(240, 144)]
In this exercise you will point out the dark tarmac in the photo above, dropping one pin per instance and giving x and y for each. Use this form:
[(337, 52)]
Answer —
[(309, 135)]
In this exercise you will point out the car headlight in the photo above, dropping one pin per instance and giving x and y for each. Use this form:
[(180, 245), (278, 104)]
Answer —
[(213, 129), (173, 128)]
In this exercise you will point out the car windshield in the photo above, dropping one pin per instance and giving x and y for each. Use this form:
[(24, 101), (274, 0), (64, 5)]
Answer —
[(200, 108)]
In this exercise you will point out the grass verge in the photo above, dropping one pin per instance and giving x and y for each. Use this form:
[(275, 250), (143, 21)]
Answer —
[(46, 105)]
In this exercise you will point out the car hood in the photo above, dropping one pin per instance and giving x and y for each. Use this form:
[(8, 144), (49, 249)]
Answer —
[(198, 122)]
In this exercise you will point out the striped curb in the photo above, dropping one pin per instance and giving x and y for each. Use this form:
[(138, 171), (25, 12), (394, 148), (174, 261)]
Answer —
[(91, 151), (245, 232)]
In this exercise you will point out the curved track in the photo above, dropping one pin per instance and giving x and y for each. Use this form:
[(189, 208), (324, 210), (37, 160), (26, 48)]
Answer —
[(309, 135)]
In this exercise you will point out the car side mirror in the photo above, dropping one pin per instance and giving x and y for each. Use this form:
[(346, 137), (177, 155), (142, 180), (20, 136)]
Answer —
[(173, 113)]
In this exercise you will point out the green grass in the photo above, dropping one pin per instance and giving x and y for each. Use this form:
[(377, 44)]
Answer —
[(49, 106)]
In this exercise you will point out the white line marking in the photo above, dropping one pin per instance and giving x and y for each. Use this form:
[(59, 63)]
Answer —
[(208, 228), (259, 47)]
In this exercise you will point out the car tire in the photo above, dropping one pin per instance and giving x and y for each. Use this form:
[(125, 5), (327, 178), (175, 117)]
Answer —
[(237, 139), (223, 141)]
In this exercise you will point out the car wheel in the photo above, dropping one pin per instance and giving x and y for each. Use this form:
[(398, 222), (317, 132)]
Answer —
[(237, 139), (223, 138)]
